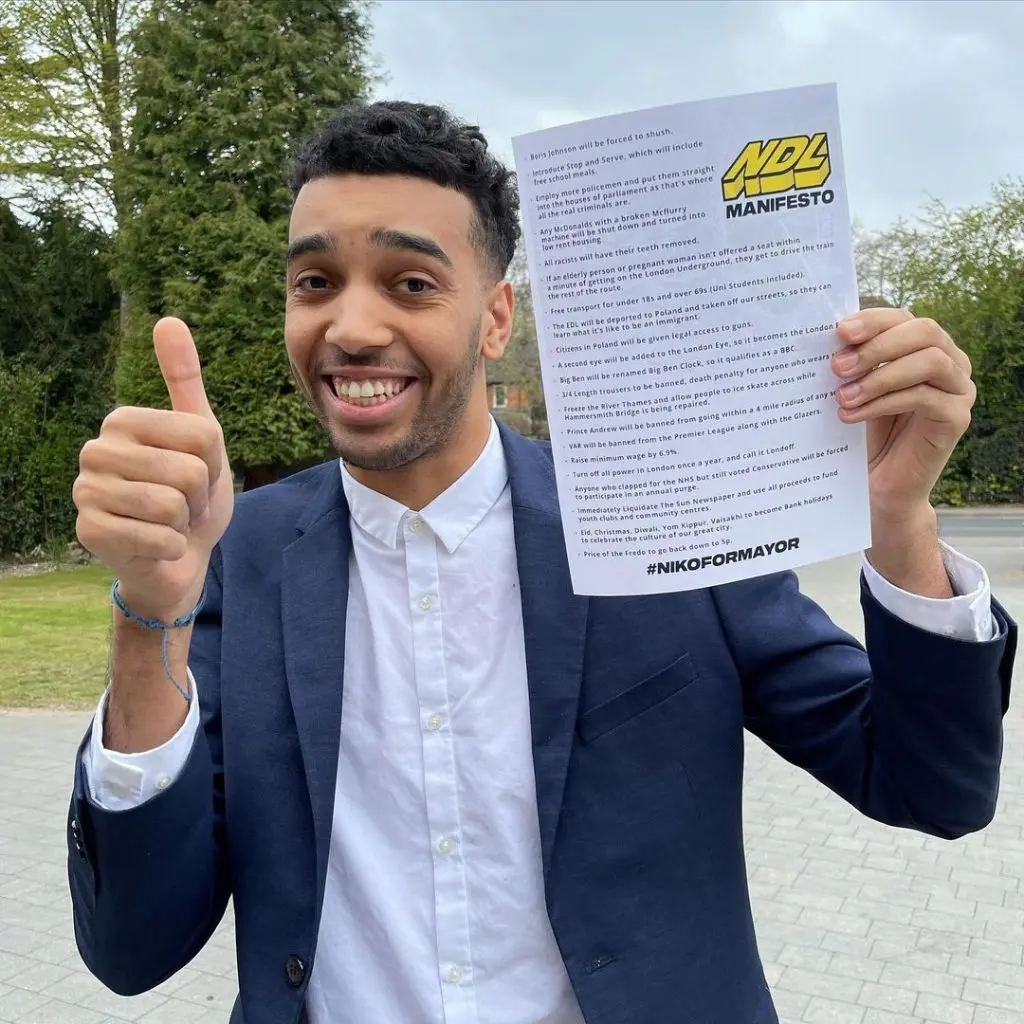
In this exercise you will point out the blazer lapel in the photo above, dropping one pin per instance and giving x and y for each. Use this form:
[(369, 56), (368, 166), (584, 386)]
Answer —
[(554, 625), (314, 602)]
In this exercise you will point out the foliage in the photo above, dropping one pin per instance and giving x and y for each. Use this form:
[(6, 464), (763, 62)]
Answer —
[(55, 369), (17, 253), (66, 101), (38, 462), (965, 269), (520, 365), (225, 92), (21, 398)]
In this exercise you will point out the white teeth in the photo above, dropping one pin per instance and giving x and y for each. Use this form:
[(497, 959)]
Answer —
[(368, 392)]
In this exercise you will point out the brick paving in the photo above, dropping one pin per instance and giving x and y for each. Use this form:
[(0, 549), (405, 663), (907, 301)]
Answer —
[(858, 923)]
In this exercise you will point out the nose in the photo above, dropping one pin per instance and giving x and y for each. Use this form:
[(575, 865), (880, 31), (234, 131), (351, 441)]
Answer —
[(358, 321)]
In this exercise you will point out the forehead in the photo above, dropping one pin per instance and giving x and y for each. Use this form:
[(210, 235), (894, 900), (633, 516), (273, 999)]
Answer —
[(352, 206)]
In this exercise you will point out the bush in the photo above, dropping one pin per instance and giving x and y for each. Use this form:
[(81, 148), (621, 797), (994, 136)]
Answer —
[(38, 462), (21, 397), (57, 315)]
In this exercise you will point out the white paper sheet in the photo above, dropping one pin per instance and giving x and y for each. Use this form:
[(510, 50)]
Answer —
[(688, 266)]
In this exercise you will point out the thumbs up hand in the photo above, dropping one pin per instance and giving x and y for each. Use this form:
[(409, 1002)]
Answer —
[(154, 493)]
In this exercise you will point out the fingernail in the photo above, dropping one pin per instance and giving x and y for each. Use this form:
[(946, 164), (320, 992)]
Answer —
[(853, 329), (849, 391), (845, 361)]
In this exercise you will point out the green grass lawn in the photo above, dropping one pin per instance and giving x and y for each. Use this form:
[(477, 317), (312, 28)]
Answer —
[(54, 632)]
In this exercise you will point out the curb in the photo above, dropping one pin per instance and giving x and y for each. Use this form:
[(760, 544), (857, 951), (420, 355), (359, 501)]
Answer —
[(1005, 511)]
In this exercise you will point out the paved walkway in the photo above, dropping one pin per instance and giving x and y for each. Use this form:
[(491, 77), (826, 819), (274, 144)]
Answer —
[(858, 924)]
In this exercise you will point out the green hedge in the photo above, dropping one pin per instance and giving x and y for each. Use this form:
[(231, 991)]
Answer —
[(38, 463), (56, 369)]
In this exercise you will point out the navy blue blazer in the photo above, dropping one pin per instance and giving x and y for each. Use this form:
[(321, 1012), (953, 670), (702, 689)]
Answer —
[(638, 707)]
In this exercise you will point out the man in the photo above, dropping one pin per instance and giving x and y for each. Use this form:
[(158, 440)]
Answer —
[(438, 785)]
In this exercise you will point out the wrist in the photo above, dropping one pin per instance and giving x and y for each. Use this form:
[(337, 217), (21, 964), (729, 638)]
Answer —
[(160, 608), (905, 550)]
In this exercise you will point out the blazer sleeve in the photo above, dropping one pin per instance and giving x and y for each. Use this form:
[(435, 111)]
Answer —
[(909, 731), (150, 885)]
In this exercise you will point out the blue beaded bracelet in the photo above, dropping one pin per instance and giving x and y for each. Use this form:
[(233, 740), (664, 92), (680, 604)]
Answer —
[(164, 627)]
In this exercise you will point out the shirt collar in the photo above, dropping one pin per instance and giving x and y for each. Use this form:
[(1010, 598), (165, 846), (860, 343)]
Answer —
[(452, 515)]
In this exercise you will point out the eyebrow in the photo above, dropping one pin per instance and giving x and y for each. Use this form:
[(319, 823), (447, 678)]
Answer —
[(380, 238), (405, 241), (319, 241)]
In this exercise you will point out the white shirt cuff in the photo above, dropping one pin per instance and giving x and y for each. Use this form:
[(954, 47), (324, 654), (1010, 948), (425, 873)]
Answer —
[(967, 616), (121, 782)]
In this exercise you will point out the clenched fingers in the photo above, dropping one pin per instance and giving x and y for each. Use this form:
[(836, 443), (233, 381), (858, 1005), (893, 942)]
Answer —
[(868, 346), (949, 413), (108, 535), (111, 458), (147, 502), (930, 366), (182, 432)]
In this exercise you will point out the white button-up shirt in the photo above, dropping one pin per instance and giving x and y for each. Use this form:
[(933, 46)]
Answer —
[(434, 907), (435, 891)]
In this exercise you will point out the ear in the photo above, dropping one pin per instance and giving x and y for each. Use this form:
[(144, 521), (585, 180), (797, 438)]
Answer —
[(497, 325)]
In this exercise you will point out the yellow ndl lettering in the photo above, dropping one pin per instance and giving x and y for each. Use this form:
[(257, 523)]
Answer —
[(778, 165), (814, 167), (746, 168)]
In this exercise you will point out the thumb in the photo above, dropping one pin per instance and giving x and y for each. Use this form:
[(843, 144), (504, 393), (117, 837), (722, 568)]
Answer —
[(179, 363)]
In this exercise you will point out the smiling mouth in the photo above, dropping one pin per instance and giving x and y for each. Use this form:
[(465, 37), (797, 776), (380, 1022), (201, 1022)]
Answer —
[(368, 392)]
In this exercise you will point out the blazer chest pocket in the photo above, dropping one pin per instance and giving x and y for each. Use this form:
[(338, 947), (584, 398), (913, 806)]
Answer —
[(637, 699)]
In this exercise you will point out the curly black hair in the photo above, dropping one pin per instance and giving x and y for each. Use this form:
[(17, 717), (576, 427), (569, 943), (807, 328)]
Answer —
[(423, 141)]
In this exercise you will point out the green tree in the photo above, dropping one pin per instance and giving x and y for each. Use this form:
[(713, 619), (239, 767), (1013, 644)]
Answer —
[(66, 101), (881, 260), (225, 92), (520, 365), (57, 314), (17, 255), (74, 312), (965, 269)]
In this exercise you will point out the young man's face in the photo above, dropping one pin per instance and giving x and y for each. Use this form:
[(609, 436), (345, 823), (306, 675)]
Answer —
[(390, 308)]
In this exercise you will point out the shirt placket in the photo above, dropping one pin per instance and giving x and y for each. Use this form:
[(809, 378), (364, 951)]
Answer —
[(451, 909)]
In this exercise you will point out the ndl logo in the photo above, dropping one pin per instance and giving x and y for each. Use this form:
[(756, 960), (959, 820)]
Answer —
[(790, 171)]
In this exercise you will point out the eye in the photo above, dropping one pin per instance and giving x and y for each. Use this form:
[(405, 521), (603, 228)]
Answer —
[(312, 283), (415, 286)]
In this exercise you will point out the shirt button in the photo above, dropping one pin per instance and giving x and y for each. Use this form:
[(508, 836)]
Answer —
[(434, 722), (446, 845), (163, 782), (453, 975), (426, 602), (415, 524)]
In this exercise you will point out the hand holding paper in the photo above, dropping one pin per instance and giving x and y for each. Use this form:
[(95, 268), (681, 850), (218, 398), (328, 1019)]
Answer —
[(911, 385)]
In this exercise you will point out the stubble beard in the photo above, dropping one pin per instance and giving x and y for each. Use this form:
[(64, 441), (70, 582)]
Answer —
[(432, 427)]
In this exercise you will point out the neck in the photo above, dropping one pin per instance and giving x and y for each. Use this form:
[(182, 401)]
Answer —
[(419, 483)]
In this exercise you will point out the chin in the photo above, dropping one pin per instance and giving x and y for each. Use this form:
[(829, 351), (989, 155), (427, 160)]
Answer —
[(376, 448), (375, 457)]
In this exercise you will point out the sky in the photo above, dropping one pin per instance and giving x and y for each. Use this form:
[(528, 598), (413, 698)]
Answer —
[(930, 93)]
